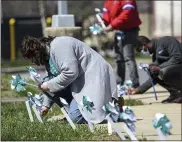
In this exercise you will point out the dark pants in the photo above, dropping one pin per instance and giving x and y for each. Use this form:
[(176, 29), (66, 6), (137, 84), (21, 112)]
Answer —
[(124, 47), (171, 79)]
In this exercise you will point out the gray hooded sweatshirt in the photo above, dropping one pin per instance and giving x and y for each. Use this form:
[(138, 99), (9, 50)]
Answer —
[(86, 72)]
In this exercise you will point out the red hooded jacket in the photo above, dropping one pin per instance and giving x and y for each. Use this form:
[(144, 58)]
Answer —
[(121, 14)]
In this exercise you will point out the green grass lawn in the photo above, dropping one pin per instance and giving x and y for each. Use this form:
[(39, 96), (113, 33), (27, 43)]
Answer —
[(16, 126)]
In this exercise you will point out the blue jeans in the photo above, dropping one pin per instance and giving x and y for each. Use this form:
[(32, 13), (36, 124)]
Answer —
[(75, 114)]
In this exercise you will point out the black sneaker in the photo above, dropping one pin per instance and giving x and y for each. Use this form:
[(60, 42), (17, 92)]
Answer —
[(173, 96), (178, 100), (169, 100)]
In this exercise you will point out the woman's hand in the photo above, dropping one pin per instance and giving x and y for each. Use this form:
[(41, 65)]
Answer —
[(44, 110), (44, 86)]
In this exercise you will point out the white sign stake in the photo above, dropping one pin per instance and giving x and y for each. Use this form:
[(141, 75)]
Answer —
[(37, 113), (29, 111), (130, 133), (68, 118), (109, 126), (114, 127)]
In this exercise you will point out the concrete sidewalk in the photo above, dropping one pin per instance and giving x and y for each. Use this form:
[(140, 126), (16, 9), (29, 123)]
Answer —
[(147, 113)]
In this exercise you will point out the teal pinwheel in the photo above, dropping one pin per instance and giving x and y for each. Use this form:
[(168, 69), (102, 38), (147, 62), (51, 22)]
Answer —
[(163, 123), (88, 104), (34, 75), (19, 83), (123, 89), (37, 100), (127, 116), (130, 113), (113, 110), (30, 69), (96, 29), (128, 83)]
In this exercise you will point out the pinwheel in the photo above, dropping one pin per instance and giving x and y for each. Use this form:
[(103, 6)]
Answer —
[(34, 75), (34, 102), (127, 116), (112, 115), (145, 67), (123, 90), (162, 125), (19, 83), (96, 29)]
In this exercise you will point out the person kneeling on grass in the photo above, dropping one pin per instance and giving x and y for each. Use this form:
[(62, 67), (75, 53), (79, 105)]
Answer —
[(76, 70), (166, 68)]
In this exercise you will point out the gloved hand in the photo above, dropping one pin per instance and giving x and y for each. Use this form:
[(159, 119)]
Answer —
[(154, 69)]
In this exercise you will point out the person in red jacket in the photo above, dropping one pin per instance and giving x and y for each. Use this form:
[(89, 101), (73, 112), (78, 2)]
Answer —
[(122, 16)]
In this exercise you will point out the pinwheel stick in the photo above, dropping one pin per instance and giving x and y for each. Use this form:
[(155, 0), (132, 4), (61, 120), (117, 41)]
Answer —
[(155, 94), (145, 68), (129, 132), (68, 118), (161, 135), (114, 127), (31, 84), (29, 111)]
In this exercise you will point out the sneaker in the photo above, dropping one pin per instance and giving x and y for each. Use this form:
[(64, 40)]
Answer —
[(178, 100), (173, 96), (168, 100)]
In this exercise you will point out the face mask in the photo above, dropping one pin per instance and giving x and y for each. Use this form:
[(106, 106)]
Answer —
[(145, 53)]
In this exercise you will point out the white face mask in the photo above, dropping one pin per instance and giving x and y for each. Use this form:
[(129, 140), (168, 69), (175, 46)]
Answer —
[(145, 53)]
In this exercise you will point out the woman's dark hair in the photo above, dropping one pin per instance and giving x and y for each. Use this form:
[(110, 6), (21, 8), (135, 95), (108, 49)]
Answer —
[(34, 47)]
